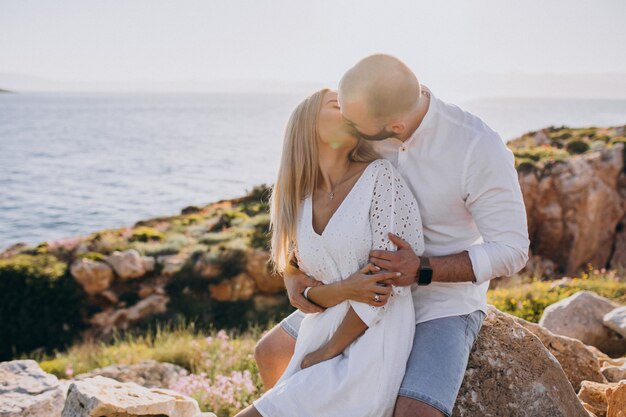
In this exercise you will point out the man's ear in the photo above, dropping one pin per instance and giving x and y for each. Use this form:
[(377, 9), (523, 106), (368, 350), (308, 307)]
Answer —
[(397, 127)]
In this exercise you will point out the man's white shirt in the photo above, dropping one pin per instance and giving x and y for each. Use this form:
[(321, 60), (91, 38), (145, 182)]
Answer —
[(464, 179)]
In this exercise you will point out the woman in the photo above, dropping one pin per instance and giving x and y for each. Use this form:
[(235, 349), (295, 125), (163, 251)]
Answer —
[(333, 202)]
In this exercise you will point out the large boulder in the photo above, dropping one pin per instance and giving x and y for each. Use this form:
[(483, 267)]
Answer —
[(101, 396), (581, 316), (579, 361), (148, 373), (616, 320), (26, 390), (93, 276), (130, 264), (511, 373)]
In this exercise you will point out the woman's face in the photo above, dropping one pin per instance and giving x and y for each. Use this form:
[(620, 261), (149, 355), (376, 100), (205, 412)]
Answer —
[(331, 126)]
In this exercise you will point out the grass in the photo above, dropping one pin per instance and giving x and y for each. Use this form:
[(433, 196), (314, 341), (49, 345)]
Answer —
[(528, 297), (224, 377), (223, 374)]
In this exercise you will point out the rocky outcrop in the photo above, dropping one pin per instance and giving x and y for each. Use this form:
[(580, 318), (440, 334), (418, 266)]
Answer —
[(26, 390), (149, 373), (576, 206), (580, 316), (100, 396), (510, 373), (105, 321), (579, 361)]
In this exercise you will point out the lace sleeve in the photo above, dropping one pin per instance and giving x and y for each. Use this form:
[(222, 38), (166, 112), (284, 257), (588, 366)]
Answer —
[(394, 209)]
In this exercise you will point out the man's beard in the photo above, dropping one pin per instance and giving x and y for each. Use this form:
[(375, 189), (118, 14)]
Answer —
[(382, 135)]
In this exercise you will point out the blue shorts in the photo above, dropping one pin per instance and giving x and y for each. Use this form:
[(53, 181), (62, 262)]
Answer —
[(438, 359)]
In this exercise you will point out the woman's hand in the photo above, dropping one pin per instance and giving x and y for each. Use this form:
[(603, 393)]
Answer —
[(320, 355), (296, 282), (364, 284)]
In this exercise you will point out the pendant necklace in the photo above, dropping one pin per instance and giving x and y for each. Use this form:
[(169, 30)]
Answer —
[(331, 194)]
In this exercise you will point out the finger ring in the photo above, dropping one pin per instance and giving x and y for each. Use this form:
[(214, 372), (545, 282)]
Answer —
[(377, 298)]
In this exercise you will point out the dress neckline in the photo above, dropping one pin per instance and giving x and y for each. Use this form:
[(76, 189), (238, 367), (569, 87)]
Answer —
[(310, 202)]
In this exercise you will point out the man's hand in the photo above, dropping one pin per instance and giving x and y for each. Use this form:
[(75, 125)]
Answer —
[(296, 282), (404, 260)]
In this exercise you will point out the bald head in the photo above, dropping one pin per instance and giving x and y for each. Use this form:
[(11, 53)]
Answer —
[(383, 84)]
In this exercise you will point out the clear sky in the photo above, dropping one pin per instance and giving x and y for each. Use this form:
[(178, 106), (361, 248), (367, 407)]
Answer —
[(139, 41)]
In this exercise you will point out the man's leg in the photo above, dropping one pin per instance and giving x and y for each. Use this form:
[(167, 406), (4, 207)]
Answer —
[(437, 364), (275, 349)]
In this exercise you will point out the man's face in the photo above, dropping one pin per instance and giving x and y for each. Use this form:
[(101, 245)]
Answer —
[(356, 116)]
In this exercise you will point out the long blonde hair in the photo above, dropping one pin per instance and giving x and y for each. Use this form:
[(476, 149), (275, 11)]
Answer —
[(298, 175)]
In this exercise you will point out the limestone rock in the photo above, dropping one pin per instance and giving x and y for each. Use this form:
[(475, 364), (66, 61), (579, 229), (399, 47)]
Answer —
[(240, 287), (616, 400), (130, 264), (100, 396), (578, 361), (510, 373), (148, 373), (26, 390), (594, 394), (111, 318), (93, 276), (616, 320), (258, 269), (614, 373), (560, 200), (580, 316)]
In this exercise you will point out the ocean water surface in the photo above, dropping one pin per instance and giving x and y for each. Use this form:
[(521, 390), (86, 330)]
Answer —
[(74, 163)]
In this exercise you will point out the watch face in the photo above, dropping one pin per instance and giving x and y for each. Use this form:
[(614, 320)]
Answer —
[(426, 276)]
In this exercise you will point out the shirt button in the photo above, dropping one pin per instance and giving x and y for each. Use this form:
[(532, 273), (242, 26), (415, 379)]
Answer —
[(403, 149)]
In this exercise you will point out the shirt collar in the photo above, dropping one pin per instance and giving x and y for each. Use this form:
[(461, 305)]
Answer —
[(428, 121)]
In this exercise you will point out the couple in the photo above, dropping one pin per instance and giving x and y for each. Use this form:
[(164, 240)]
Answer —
[(391, 212)]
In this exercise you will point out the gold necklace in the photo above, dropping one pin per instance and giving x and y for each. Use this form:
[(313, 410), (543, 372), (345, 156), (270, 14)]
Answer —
[(331, 194)]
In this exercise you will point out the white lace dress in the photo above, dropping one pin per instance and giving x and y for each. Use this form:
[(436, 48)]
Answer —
[(365, 379)]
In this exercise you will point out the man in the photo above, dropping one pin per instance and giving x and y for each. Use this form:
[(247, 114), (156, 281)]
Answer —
[(474, 223)]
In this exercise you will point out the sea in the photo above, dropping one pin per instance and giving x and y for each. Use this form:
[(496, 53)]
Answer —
[(74, 163)]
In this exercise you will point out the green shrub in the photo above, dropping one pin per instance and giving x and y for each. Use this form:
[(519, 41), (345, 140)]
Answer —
[(576, 147), (618, 139), (146, 234), (40, 305), (94, 256)]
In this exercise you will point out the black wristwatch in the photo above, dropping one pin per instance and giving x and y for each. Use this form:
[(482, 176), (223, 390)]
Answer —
[(425, 272)]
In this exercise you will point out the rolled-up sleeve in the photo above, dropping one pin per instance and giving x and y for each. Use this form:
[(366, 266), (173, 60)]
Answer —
[(493, 196)]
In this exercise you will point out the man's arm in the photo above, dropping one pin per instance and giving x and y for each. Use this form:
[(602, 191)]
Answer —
[(493, 197), (449, 268)]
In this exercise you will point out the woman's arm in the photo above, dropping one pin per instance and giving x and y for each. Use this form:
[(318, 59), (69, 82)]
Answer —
[(348, 331), (361, 286)]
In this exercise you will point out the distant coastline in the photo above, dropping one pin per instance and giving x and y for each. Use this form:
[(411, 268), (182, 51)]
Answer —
[(6, 91)]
